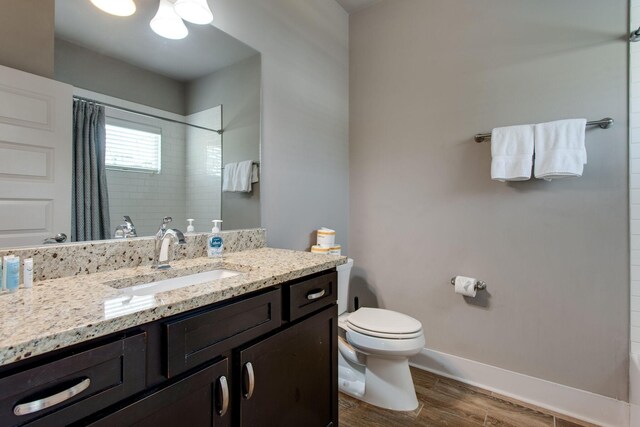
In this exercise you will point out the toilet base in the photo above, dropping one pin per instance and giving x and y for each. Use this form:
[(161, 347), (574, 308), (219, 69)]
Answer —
[(388, 384), (350, 378), (383, 382)]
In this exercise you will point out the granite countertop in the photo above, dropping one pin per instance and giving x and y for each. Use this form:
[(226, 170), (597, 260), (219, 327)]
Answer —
[(62, 312)]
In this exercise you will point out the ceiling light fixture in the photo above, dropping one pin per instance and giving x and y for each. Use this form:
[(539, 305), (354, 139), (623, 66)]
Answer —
[(194, 11), (116, 7), (167, 23)]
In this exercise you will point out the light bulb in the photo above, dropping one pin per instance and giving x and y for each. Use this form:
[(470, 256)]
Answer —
[(116, 7), (194, 11), (167, 24)]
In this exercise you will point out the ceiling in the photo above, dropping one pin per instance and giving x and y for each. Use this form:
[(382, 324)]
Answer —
[(130, 39), (355, 5)]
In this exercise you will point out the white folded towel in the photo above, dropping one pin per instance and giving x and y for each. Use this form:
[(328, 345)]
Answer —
[(512, 153), (238, 177), (560, 149)]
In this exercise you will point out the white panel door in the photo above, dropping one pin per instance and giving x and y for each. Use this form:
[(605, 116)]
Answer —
[(35, 158)]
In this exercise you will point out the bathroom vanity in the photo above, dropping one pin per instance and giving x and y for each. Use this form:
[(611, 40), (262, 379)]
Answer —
[(258, 348)]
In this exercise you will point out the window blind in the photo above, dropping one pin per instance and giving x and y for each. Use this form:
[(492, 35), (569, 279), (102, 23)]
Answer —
[(133, 149)]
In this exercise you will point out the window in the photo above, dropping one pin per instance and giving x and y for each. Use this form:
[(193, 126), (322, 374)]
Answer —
[(132, 146)]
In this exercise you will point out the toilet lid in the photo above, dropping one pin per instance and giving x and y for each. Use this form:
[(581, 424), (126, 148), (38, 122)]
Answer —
[(380, 322)]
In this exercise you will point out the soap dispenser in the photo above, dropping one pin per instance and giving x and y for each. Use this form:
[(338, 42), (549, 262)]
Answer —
[(215, 244), (190, 227)]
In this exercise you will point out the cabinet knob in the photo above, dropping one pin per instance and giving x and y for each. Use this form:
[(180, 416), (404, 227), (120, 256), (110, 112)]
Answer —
[(248, 380)]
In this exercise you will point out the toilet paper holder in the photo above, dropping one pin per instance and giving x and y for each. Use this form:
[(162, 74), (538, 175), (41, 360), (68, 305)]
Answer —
[(479, 286)]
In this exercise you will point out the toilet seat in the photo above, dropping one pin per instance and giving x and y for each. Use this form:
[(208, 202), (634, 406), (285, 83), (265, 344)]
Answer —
[(381, 323), (385, 346), (377, 334)]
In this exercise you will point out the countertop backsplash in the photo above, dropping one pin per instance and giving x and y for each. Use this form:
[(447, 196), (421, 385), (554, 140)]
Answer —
[(73, 259)]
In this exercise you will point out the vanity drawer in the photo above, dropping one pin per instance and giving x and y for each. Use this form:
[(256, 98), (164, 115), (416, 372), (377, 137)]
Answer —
[(310, 295), (202, 336), (75, 386)]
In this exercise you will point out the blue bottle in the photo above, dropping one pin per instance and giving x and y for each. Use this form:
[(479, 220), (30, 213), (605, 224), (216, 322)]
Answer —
[(12, 266)]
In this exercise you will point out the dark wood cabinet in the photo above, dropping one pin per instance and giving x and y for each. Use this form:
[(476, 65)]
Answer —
[(201, 399), (308, 295), (197, 337), (268, 358), (59, 392), (290, 378)]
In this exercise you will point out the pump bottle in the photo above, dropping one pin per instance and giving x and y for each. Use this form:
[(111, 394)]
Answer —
[(215, 245)]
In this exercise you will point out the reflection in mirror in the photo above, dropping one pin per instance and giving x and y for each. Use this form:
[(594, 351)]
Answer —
[(164, 101), (153, 168)]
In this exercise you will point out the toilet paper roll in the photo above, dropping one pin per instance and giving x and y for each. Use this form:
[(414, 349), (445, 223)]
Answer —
[(320, 250), (465, 286), (326, 237)]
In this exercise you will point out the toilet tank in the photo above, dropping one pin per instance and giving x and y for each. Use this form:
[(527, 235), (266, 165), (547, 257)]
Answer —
[(344, 272)]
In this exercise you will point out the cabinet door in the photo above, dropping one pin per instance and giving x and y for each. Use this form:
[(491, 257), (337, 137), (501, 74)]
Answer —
[(290, 378), (201, 399)]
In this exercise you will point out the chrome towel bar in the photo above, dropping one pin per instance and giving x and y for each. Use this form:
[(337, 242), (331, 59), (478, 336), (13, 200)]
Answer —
[(603, 123)]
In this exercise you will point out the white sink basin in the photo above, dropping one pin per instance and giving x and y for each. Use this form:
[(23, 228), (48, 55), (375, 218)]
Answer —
[(179, 282)]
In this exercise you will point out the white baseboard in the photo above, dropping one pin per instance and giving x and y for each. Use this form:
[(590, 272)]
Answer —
[(580, 404), (634, 389), (634, 379), (635, 415)]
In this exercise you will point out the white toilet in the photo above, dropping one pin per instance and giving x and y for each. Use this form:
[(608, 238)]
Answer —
[(374, 349)]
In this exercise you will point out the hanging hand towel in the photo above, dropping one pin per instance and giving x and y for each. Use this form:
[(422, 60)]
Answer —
[(560, 149), (512, 153), (228, 174), (237, 177), (255, 173)]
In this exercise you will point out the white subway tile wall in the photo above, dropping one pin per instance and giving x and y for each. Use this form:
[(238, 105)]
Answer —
[(188, 185), (148, 197), (204, 169)]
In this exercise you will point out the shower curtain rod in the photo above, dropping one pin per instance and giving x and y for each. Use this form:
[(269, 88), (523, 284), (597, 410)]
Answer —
[(128, 110)]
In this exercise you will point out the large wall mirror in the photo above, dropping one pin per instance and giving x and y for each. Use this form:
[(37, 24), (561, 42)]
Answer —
[(177, 113)]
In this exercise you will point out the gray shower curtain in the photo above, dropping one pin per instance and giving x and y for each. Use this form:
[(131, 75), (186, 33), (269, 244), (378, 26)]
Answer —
[(90, 208)]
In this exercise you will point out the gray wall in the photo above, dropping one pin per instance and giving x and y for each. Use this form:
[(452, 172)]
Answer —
[(426, 76), (26, 31), (237, 88), (90, 70), (304, 162)]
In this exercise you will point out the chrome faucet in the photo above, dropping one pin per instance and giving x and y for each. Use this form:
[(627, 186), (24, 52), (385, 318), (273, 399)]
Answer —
[(163, 244), (125, 230)]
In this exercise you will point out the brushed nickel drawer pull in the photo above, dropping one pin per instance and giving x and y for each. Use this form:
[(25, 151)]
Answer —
[(47, 402), (224, 387), (315, 295), (251, 380)]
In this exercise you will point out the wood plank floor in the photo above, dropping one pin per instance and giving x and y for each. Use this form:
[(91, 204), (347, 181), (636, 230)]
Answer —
[(445, 402)]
